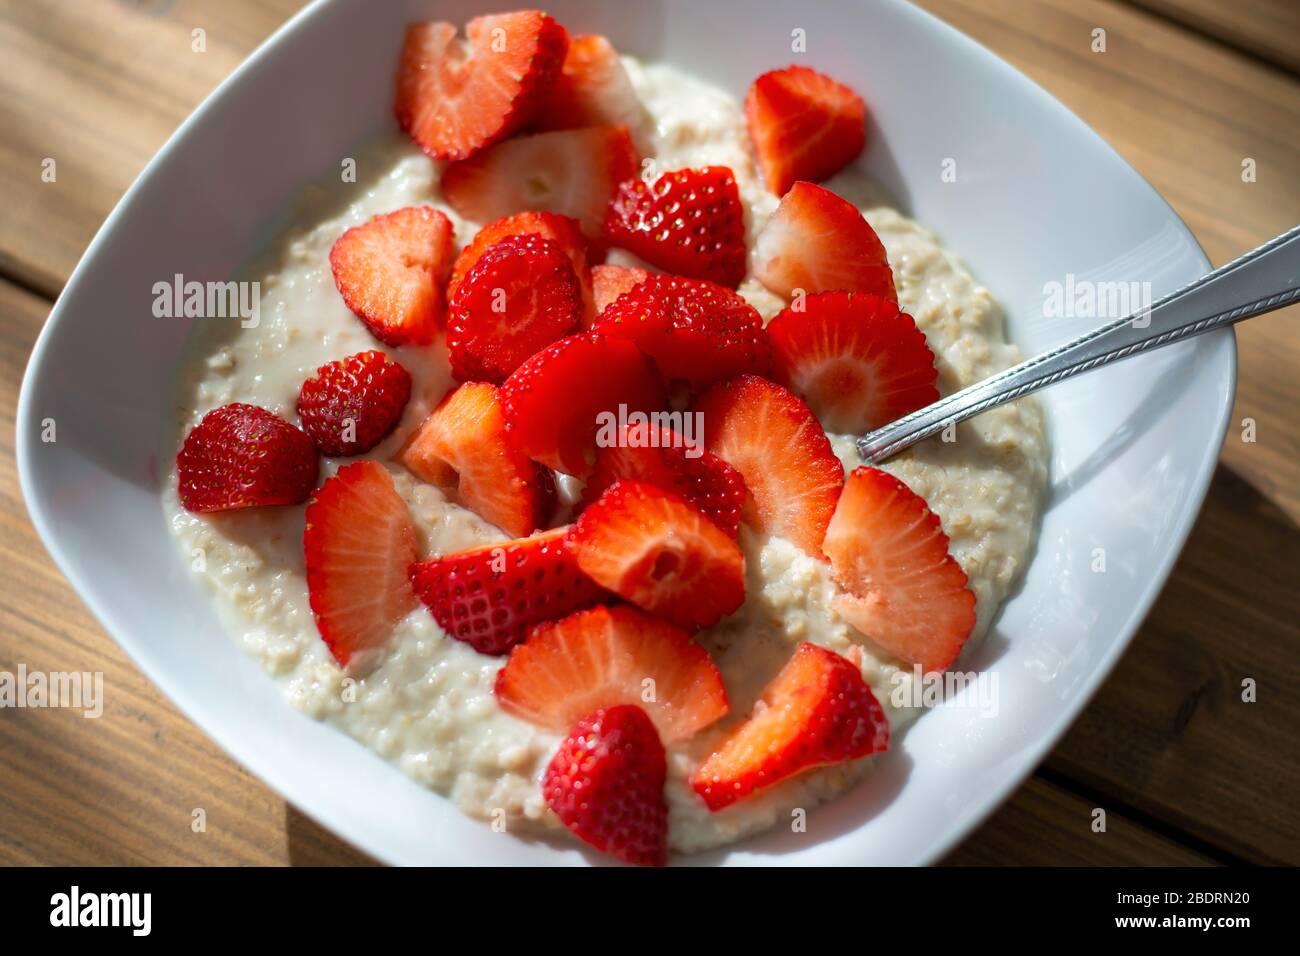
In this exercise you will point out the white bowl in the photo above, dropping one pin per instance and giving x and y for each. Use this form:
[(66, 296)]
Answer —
[(1038, 196)]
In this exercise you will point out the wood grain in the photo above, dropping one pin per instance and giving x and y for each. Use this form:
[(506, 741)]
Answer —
[(1268, 29)]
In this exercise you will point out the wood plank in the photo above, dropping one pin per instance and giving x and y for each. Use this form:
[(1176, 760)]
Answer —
[(1268, 29)]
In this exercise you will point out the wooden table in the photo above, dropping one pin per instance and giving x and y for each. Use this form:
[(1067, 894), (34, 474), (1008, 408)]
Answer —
[(1188, 773)]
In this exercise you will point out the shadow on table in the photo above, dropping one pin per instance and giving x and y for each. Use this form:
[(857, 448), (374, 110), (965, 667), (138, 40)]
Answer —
[(310, 844)]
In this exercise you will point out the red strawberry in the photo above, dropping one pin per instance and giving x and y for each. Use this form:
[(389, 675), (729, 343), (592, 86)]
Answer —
[(607, 656), (693, 329), (456, 96), (349, 406), (242, 456), (359, 543), (804, 125), (818, 710), (652, 548), (571, 172), (606, 784), (489, 597), (464, 449), (556, 400), (390, 272), (858, 361), (609, 282), (661, 457), (906, 592), (521, 295), (593, 89), (774, 441), (689, 222), (818, 242)]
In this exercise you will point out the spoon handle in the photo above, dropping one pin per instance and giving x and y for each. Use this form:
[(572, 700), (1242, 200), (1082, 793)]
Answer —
[(1264, 279)]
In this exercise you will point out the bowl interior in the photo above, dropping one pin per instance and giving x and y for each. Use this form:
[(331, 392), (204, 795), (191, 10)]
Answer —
[(1038, 199)]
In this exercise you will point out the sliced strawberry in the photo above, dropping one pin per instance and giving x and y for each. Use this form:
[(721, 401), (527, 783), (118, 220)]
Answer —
[(858, 361), (570, 172), (609, 282), (607, 656), (650, 547), (593, 90), (520, 296), (818, 242), (694, 329), (359, 543), (464, 449), (557, 401), (804, 125), (906, 592), (490, 597), (771, 437), (349, 406), (455, 96), (390, 272), (243, 456), (688, 222), (606, 784), (661, 457), (817, 711)]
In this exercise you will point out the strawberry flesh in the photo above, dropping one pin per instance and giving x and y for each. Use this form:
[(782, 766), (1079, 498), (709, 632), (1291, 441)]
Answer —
[(609, 282), (593, 89)]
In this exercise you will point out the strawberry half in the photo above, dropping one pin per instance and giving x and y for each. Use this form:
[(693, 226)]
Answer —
[(489, 597), (817, 711), (593, 89), (464, 449), (570, 172), (818, 242), (456, 96), (858, 361), (608, 656), (520, 296), (689, 222), (243, 456), (359, 543), (661, 457), (349, 406), (609, 282), (557, 401), (803, 125), (390, 272), (650, 547), (906, 592), (772, 438), (606, 784), (694, 329)]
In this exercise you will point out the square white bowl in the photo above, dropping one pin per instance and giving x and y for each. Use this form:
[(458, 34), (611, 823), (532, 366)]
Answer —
[(1038, 197)]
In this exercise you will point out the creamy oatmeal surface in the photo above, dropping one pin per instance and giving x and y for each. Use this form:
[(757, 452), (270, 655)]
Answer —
[(428, 705)]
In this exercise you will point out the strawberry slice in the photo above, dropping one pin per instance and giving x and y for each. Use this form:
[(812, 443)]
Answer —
[(557, 401), (609, 282), (803, 125), (243, 456), (570, 172), (359, 543), (465, 449), (390, 272), (606, 784), (906, 592), (856, 359), (455, 96), (689, 222), (818, 242), (772, 438), (661, 457), (694, 329), (349, 406), (650, 547), (594, 89), (817, 711), (607, 656), (521, 295), (490, 597)]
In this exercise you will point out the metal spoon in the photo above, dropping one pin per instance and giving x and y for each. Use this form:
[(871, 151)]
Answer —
[(1264, 279)]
